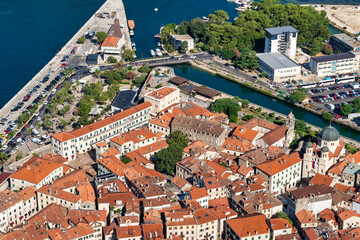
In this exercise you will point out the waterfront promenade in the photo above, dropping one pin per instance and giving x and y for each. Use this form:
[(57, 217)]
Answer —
[(94, 23)]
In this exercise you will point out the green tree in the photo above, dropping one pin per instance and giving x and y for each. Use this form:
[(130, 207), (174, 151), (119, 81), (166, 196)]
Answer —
[(316, 46), (247, 60), (327, 116), (247, 117), (182, 28), (130, 75), (144, 69), (168, 157), (184, 47), (64, 110), (300, 126), (179, 138), (285, 216), (18, 157), (299, 95), (245, 103), (128, 55), (111, 59), (100, 36), (229, 106), (357, 104), (229, 53), (126, 159), (346, 109), (81, 40), (3, 156)]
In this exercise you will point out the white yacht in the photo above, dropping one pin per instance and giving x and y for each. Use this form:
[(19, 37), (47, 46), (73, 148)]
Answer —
[(152, 53)]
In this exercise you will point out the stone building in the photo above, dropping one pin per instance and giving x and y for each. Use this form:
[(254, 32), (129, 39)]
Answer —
[(198, 129)]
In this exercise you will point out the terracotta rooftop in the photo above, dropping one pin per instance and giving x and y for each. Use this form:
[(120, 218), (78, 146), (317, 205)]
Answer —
[(249, 225), (273, 167), (37, 169), (135, 136), (161, 93), (304, 216), (242, 132), (198, 193), (321, 180), (237, 145), (110, 42)]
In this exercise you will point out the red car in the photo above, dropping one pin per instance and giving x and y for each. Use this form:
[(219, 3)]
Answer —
[(6, 131), (73, 51), (63, 64), (26, 125)]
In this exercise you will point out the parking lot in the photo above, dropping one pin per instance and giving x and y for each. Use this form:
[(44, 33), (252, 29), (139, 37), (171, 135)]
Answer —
[(331, 98)]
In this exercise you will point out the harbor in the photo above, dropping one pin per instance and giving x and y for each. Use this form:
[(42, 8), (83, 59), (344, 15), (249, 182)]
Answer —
[(72, 54)]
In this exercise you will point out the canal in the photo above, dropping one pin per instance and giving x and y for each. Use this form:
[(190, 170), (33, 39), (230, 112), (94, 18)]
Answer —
[(226, 86)]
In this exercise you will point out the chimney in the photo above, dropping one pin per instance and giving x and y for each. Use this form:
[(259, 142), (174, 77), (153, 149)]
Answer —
[(28, 167)]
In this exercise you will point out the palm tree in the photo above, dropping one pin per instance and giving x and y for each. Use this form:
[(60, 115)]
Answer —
[(3, 156)]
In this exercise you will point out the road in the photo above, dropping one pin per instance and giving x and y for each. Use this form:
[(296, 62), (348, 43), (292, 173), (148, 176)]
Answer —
[(78, 62)]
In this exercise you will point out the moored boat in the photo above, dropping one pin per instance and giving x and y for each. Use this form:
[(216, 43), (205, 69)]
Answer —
[(131, 24)]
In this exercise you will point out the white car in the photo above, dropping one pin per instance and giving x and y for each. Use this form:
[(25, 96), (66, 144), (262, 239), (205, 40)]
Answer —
[(36, 113), (13, 152), (44, 136), (192, 56), (4, 147), (39, 119), (17, 147), (46, 102), (22, 142), (32, 126), (18, 140)]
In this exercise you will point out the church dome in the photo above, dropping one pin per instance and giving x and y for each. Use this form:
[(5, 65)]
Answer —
[(309, 145), (329, 133), (325, 149)]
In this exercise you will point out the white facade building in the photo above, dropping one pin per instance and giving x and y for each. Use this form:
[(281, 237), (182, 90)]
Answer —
[(334, 64), (282, 173), (163, 98), (282, 40), (278, 67), (81, 140)]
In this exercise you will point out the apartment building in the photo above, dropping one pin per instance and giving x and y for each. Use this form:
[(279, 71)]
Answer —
[(37, 172), (344, 43), (314, 198), (163, 98), (248, 203), (281, 173), (215, 188), (133, 140), (282, 40), (192, 225), (73, 191), (201, 196), (16, 207), (69, 144), (197, 129), (331, 65), (248, 227)]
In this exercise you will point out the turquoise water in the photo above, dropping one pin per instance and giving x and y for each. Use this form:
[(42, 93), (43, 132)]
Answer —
[(234, 89)]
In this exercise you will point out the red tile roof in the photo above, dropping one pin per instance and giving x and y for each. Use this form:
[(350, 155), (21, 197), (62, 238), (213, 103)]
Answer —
[(198, 193), (273, 167), (321, 180), (249, 225)]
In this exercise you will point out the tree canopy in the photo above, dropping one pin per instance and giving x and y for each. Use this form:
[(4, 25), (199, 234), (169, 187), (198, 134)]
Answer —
[(229, 106), (299, 95), (247, 32), (100, 36), (168, 157), (346, 109)]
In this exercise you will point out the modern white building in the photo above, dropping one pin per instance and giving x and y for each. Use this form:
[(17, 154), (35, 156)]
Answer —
[(69, 144), (333, 64), (282, 40), (279, 67)]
